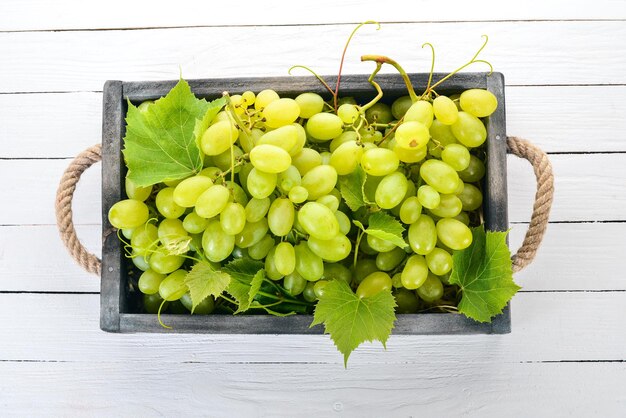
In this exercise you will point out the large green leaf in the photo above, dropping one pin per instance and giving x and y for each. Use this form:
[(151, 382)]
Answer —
[(351, 320), (160, 142), (484, 274)]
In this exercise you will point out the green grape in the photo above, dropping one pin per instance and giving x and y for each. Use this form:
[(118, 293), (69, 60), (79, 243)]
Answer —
[(379, 161), (454, 234), (187, 191), (294, 284), (337, 271), (203, 308), (264, 98), (166, 205), (379, 113), (420, 111), (149, 282), (463, 217), (252, 233), (128, 213), (288, 179), (410, 155), (280, 217), (344, 222), (346, 136), (410, 210), (247, 141), (212, 201), (194, 223), (261, 184), (144, 239), (300, 139), (330, 201), (428, 197), (213, 173), (248, 97), (284, 137), (270, 158), (471, 197), (128, 232), (163, 262), (310, 104), (308, 264), (456, 156), (412, 135), (441, 135), (233, 218), (478, 102), (239, 195), (171, 232), (219, 137), (415, 272), (439, 261), (440, 176), (318, 221), (423, 235), (271, 272), (474, 172), (406, 301), (469, 130), (365, 248), (410, 192), (324, 126), (389, 260), (333, 250), (346, 157), (431, 290), (319, 181), (172, 183), (459, 187), (445, 110), (368, 134), (238, 103), (391, 190), (285, 258), (216, 243), (348, 113), (256, 209), (318, 288), (152, 303), (364, 268), (281, 112), (379, 245), (309, 292), (135, 192), (224, 160), (173, 287), (140, 262), (449, 206), (262, 248), (373, 285), (400, 106), (306, 160), (298, 194)]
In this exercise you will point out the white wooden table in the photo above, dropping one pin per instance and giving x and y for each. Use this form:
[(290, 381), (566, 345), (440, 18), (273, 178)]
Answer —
[(565, 69)]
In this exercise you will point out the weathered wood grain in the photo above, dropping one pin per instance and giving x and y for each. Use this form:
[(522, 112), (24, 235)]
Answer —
[(82, 61)]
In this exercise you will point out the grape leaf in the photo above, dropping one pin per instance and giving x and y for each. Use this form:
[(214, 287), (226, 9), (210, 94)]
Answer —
[(247, 276), (351, 188), (160, 143), (204, 280), (385, 227), (484, 274), (351, 320)]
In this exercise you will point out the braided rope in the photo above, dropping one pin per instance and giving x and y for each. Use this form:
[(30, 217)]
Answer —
[(63, 208), (543, 199)]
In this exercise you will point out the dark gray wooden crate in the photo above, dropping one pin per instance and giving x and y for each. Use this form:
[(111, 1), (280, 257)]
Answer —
[(118, 300)]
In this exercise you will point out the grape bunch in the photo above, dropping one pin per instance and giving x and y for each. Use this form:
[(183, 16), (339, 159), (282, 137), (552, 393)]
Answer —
[(270, 191)]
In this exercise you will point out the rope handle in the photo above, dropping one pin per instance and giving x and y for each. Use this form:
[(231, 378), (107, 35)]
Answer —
[(517, 146)]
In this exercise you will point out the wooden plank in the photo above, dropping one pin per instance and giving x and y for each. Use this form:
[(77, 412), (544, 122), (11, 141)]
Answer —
[(550, 116), (68, 61), (599, 184), (75, 14), (545, 327), (442, 388)]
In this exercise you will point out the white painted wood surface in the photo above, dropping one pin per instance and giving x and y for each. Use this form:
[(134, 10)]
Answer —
[(565, 69)]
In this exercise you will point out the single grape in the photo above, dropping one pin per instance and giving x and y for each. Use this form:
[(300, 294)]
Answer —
[(247, 141), (310, 104), (288, 179), (319, 287), (337, 271), (145, 239), (271, 272), (345, 224), (187, 191), (409, 155), (379, 161), (428, 197), (330, 201), (173, 287), (400, 106), (252, 233), (420, 111), (374, 284), (171, 232), (445, 110), (280, 217), (261, 249), (332, 250), (454, 234), (431, 290), (441, 135), (205, 307), (379, 245), (439, 261), (456, 156), (306, 160), (166, 205), (308, 264), (389, 260), (128, 213), (152, 303), (410, 210), (346, 157), (264, 98), (406, 301), (391, 190), (449, 206), (140, 262), (422, 235), (471, 197), (379, 113), (233, 218), (478, 102), (163, 262), (281, 112), (285, 258), (318, 221), (319, 181), (469, 130), (217, 244), (294, 284), (256, 209), (309, 292), (248, 97), (348, 113), (346, 136), (412, 135), (219, 137), (364, 268), (270, 158), (261, 184), (474, 172), (298, 194), (135, 192), (440, 176), (324, 126), (149, 282), (212, 201), (415, 272)]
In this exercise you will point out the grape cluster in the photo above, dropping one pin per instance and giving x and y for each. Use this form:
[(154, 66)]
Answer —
[(269, 191)]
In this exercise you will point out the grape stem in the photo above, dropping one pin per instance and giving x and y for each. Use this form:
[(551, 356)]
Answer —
[(379, 91), (357, 244), (233, 113), (381, 59)]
